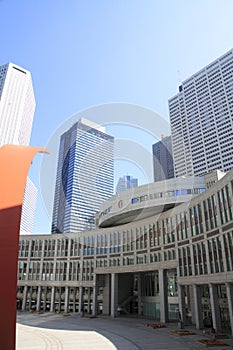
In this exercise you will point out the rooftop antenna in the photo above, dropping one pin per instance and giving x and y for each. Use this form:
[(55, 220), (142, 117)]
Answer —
[(180, 82)]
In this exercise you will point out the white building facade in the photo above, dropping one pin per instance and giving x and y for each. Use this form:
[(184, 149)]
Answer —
[(17, 106), (201, 117)]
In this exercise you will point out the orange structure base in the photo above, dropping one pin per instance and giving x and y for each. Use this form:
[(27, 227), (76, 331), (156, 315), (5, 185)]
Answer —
[(14, 165)]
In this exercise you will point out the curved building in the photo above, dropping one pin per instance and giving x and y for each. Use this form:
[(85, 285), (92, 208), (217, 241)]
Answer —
[(147, 200), (178, 260)]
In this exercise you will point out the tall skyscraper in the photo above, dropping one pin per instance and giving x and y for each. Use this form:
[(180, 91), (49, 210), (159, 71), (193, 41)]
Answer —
[(162, 159), (17, 106), (201, 116), (125, 183), (85, 175)]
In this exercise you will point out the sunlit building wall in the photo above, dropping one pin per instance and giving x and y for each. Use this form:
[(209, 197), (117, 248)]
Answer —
[(17, 106), (201, 116)]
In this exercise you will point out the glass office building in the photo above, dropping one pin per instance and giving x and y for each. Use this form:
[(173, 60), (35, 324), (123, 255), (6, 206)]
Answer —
[(163, 159), (85, 175)]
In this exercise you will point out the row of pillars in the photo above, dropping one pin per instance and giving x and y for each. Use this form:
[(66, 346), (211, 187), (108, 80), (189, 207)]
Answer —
[(110, 297), (110, 300), (197, 315), (66, 301)]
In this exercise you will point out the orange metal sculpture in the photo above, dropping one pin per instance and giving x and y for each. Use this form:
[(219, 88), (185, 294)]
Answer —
[(14, 165)]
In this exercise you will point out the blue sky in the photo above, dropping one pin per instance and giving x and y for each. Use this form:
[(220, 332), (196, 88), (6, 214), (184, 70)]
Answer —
[(87, 53)]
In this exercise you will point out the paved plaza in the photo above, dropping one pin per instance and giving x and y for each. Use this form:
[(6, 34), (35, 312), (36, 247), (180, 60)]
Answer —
[(59, 332)]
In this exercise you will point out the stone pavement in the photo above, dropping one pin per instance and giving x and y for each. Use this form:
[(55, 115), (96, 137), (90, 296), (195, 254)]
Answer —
[(55, 332)]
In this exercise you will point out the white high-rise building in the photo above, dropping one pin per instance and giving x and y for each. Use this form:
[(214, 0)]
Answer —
[(17, 106), (201, 116)]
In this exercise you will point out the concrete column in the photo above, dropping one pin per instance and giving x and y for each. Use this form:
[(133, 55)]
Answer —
[(89, 300), (94, 301), (182, 304), (27, 270), (24, 298), (139, 295), (229, 288), (192, 261), (42, 261), (38, 302), (74, 300), (59, 299), (163, 295), (161, 235), (207, 256), (67, 299), (52, 299), (45, 291), (80, 297), (223, 254), (215, 310), (114, 294), (30, 298), (69, 247), (106, 295), (68, 261), (191, 305), (198, 306)]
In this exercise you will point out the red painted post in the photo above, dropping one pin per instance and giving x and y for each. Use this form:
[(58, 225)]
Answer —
[(14, 165)]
